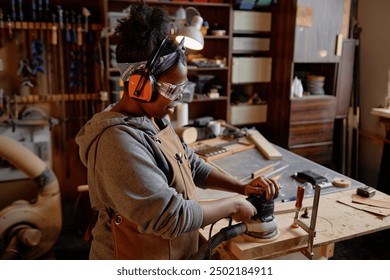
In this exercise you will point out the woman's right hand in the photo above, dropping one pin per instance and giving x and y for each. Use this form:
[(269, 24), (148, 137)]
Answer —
[(235, 206), (244, 209)]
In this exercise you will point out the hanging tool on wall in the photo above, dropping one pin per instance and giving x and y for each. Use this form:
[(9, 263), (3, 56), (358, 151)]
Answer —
[(103, 90), (37, 46), (3, 37), (47, 40), (86, 14), (6, 27), (54, 51), (88, 41), (10, 28), (75, 69), (83, 68), (64, 135), (67, 32), (43, 78), (76, 65), (24, 71), (3, 111)]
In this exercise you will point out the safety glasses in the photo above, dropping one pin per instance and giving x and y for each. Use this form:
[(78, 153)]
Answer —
[(170, 91)]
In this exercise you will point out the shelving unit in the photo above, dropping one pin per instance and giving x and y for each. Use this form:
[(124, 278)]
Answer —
[(252, 65), (272, 116), (319, 50)]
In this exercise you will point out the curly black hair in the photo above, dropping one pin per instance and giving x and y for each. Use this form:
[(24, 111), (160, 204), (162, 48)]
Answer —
[(141, 33)]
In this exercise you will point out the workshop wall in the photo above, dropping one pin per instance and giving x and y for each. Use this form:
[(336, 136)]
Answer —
[(375, 65), (51, 59)]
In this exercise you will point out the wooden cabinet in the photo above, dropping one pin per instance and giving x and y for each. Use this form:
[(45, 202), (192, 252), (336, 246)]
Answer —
[(320, 50), (311, 127)]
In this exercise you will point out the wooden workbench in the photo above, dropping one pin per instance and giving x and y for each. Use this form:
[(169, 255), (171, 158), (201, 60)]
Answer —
[(336, 221)]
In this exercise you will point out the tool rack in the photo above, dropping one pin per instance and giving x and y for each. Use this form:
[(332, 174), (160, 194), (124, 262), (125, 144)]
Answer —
[(52, 57)]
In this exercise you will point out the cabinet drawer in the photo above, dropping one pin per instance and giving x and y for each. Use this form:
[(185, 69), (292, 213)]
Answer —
[(251, 69), (310, 133), (320, 153), (251, 44), (312, 108), (252, 21), (246, 114)]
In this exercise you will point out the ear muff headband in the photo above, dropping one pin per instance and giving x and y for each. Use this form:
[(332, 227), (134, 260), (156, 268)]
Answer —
[(141, 85)]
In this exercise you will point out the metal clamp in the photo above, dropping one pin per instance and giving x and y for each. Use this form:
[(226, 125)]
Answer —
[(311, 230)]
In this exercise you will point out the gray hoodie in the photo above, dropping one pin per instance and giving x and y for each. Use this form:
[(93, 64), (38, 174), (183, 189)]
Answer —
[(128, 173)]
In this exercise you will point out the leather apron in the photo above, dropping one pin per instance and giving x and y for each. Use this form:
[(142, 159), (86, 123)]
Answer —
[(129, 243)]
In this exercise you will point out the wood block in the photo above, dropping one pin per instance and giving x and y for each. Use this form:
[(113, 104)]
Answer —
[(268, 150), (187, 134), (262, 171)]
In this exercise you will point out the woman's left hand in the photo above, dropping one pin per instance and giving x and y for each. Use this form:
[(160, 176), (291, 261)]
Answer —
[(262, 184)]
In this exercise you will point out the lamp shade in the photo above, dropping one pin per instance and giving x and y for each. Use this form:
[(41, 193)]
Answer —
[(193, 38)]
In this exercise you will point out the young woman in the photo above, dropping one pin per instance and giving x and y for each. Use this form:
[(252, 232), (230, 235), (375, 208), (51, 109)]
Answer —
[(141, 178)]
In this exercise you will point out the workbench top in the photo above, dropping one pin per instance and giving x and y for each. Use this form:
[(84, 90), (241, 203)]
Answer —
[(336, 221), (241, 162)]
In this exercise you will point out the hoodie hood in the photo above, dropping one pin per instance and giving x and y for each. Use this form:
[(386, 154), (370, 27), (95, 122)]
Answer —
[(103, 120)]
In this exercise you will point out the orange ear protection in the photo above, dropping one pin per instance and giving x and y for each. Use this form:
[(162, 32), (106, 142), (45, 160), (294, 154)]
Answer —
[(141, 84)]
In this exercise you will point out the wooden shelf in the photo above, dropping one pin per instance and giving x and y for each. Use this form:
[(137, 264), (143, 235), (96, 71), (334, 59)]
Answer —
[(207, 99), (44, 26), (193, 68)]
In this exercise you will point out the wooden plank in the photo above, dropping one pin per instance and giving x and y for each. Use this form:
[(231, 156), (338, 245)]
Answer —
[(262, 171), (242, 164), (374, 210), (346, 18), (381, 112), (383, 203), (268, 150)]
